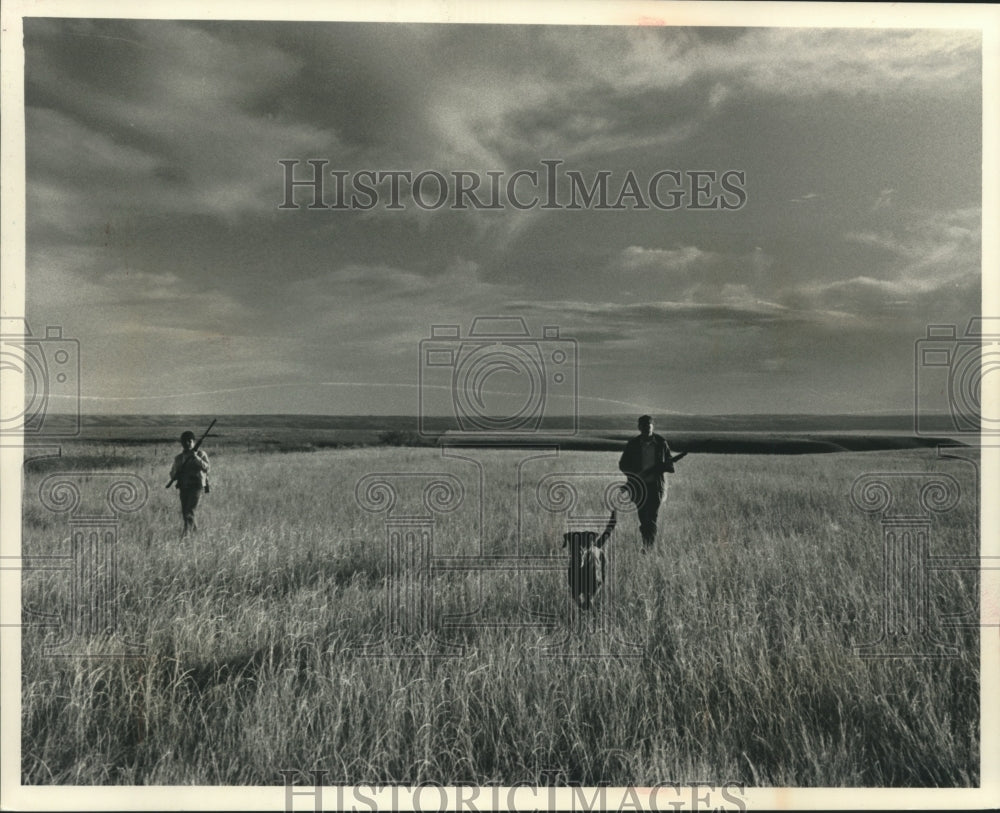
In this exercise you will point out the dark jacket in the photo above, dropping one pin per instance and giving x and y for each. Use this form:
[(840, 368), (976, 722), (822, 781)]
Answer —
[(630, 462), (190, 471)]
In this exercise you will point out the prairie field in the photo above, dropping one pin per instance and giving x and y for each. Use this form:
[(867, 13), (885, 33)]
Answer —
[(264, 643)]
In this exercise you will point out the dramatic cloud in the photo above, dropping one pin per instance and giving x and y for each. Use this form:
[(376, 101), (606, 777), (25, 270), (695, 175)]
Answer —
[(155, 237)]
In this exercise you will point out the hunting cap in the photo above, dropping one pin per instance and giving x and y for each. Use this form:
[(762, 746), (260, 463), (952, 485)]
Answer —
[(189, 435)]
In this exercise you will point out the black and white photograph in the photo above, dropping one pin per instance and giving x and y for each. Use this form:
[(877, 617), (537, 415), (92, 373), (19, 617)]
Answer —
[(558, 406)]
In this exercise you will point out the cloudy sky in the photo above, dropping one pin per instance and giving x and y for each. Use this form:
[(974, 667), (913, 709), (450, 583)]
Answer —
[(155, 235)]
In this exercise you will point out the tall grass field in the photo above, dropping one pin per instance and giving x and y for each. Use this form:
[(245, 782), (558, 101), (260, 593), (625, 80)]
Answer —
[(725, 654)]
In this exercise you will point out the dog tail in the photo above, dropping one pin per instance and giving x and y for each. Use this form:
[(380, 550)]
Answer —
[(612, 521)]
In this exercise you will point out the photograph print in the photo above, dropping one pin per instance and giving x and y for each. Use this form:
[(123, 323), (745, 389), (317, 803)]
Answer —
[(536, 411)]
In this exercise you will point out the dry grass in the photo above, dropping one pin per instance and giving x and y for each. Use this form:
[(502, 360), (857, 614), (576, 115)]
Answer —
[(742, 620)]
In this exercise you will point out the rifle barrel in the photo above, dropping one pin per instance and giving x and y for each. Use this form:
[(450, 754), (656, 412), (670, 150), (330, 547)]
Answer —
[(196, 447)]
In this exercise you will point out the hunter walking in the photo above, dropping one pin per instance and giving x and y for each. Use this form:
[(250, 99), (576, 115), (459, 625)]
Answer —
[(645, 461), (190, 472)]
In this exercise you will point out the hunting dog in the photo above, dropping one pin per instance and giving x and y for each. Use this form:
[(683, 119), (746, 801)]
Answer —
[(586, 562)]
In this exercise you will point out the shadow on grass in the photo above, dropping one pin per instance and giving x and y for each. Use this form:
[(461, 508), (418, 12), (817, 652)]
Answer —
[(241, 672), (306, 574)]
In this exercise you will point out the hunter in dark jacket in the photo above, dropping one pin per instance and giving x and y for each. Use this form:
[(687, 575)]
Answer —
[(645, 461), (190, 472)]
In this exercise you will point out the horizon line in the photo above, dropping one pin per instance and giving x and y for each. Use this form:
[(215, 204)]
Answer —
[(554, 416)]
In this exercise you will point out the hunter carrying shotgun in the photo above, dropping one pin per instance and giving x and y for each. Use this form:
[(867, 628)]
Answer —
[(645, 461), (190, 472)]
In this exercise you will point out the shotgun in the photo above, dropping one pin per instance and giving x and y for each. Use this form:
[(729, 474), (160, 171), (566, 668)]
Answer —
[(195, 449), (661, 468)]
